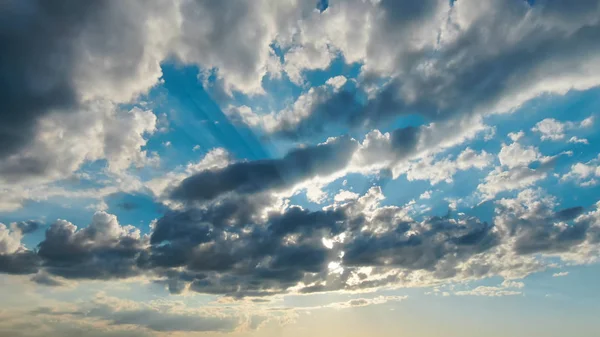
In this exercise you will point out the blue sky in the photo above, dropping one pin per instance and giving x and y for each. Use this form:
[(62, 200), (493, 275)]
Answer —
[(271, 168)]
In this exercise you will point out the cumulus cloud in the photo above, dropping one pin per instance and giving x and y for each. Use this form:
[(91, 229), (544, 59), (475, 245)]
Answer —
[(69, 67), (231, 247), (444, 169), (584, 174), (552, 129), (73, 73), (520, 167), (59, 59), (285, 122), (435, 71), (14, 257)]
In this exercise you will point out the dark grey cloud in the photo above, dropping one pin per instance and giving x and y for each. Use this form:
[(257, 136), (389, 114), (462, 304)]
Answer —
[(271, 174), (59, 60), (403, 12), (101, 250), (242, 257), (223, 247), (428, 244), (262, 259), (21, 262), (540, 233), (46, 280), (569, 213), (36, 63), (29, 226)]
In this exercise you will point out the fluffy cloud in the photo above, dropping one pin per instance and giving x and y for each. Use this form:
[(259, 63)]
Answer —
[(584, 174), (14, 257), (74, 73), (63, 143), (444, 51), (69, 66), (444, 169), (230, 246), (285, 122), (60, 59), (520, 167), (551, 129)]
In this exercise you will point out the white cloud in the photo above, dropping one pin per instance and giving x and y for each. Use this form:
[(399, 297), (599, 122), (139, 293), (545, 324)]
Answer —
[(514, 155), (214, 159), (437, 171), (588, 122), (583, 173), (576, 140), (552, 129), (363, 302), (514, 172), (502, 290), (560, 274), (515, 136), (344, 195), (425, 195), (10, 239), (337, 82)]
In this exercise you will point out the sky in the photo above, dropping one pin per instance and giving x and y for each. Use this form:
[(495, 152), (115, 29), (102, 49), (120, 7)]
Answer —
[(297, 167)]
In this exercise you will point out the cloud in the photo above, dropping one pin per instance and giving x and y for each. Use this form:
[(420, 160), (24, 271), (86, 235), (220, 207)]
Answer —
[(272, 174), (72, 83), (507, 288), (552, 129), (109, 316), (27, 227), (231, 246), (68, 70), (285, 122), (153, 318), (520, 167), (425, 195), (444, 169), (64, 142), (432, 55), (14, 257), (360, 302), (536, 228), (63, 61), (215, 159), (47, 280), (102, 250), (515, 136), (583, 173)]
